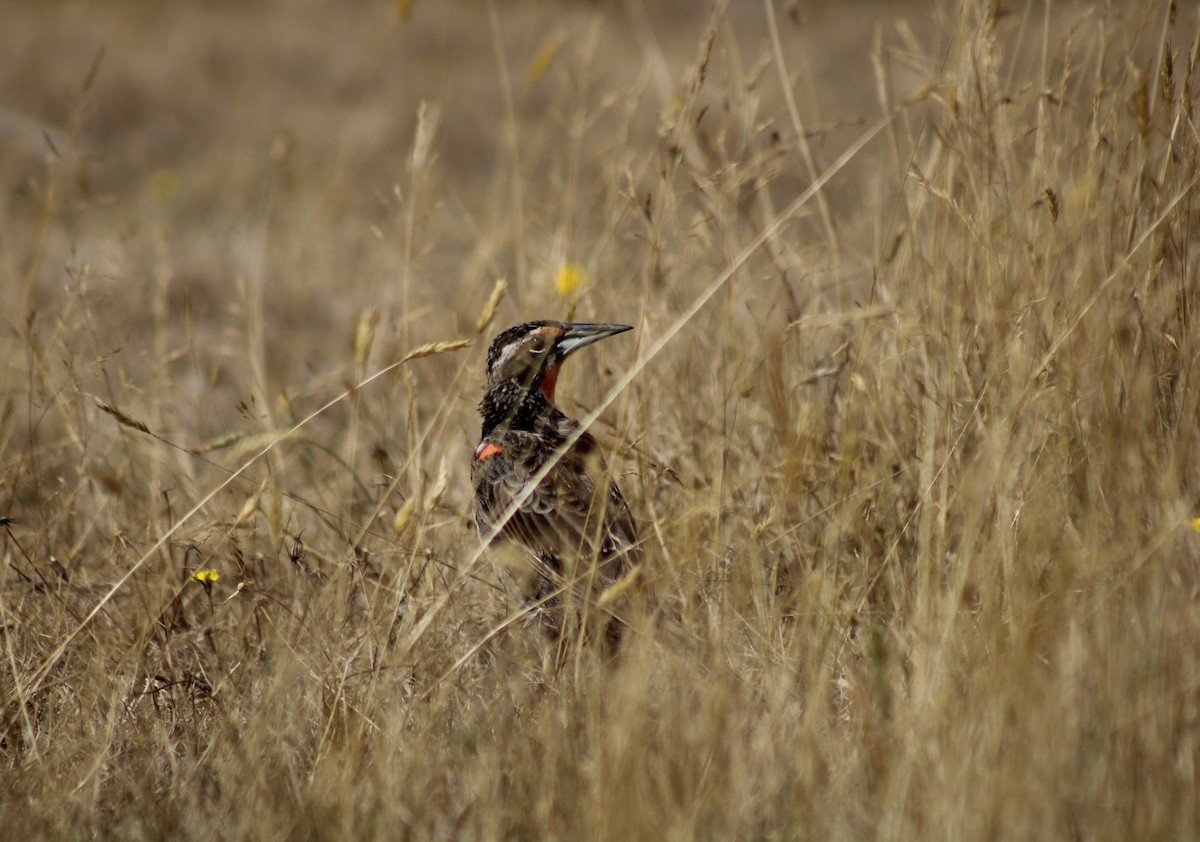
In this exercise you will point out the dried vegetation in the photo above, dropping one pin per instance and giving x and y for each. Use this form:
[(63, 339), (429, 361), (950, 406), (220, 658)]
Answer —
[(909, 420)]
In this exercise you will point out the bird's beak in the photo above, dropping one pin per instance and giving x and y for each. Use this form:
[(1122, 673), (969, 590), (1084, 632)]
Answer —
[(576, 335)]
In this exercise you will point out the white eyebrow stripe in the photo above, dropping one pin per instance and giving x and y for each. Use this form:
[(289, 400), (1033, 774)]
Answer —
[(509, 350)]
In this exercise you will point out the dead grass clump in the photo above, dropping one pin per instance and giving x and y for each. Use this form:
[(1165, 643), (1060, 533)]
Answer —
[(909, 426)]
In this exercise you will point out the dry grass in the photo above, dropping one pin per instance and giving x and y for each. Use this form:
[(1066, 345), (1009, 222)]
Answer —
[(916, 457)]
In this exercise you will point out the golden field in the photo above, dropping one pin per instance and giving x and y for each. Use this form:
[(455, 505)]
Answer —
[(908, 418)]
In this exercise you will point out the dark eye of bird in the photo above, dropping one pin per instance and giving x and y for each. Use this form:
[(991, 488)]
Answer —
[(537, 345)]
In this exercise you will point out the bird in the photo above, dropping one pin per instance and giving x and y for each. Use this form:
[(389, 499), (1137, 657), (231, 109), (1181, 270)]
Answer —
[(573, 529)]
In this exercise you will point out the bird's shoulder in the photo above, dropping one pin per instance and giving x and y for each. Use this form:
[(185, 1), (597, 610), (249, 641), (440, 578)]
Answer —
[(506, 461)]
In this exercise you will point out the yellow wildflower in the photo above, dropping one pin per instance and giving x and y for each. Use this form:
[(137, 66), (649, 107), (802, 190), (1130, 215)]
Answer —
[(1196, 523), (569, 278), (206, 577)]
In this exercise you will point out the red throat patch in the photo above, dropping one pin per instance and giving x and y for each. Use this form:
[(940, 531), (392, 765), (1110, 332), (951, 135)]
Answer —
[(550, 381), (487, 450)]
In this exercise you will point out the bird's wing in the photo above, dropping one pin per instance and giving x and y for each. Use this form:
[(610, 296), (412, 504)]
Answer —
[(563, 515)]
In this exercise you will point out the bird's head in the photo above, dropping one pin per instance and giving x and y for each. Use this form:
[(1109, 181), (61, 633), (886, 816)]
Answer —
[(532, 353)]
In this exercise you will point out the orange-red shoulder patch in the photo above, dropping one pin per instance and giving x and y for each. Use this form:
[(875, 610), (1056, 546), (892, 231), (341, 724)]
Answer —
[(487, 450)]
